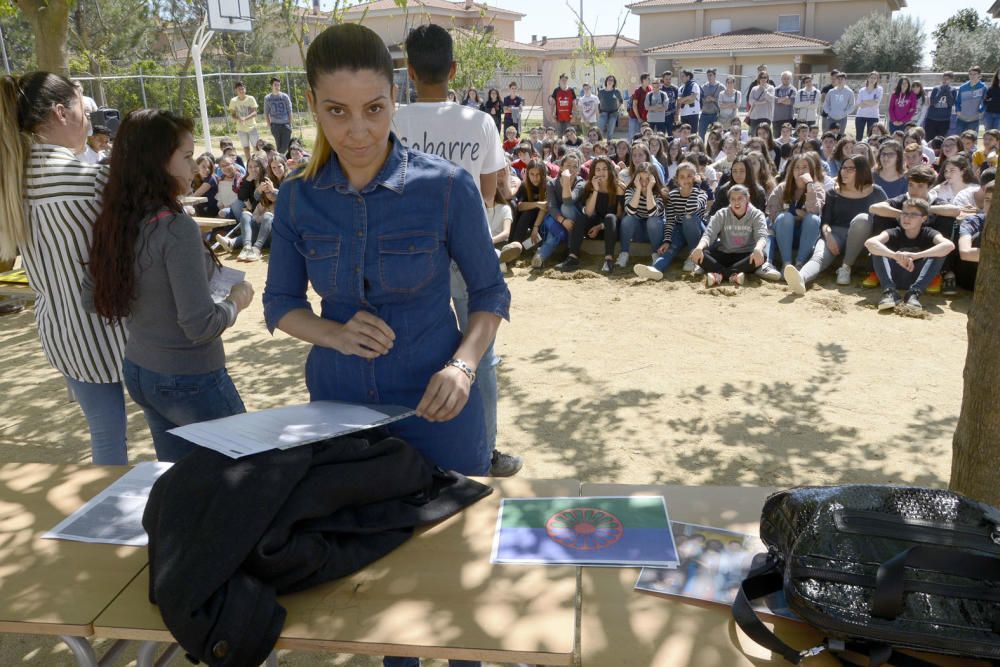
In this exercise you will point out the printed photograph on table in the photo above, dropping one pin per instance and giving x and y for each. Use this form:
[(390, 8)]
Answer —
[(622, 531), (713, 563)]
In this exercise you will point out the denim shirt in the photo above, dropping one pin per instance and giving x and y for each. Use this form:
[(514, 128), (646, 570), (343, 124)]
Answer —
[(385, 250)]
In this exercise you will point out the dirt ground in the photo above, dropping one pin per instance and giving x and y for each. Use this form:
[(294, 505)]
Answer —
[(619, 380)]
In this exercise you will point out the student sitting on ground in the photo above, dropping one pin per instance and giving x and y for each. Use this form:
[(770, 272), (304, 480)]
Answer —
[(530, 210), (643, 219), (600, 202), (244, 205), (734, 241), (795, 206), (969, 241), (206, 184), (684, 223), (263, 217), (843, 225), (501, 219), (562, 213), (956, 175), (908, 257)]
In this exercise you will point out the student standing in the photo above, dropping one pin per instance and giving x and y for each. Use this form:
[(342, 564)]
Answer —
[(637, 114), (838, 104), (969, 102), (610, 106), (761, 102), (689, 100), (243, 109), (561, 104), (278, 115), (730, 100), (589, 105), (939, 108), (468, 138), (512, 105), (50, 201), (671, 92), (710, 92), (869, 99), (784, 101), (151, 268), (991, 104)]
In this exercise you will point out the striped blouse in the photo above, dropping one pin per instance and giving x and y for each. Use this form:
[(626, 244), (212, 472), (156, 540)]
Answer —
[(679, 208), (63, 198), (643, 210)]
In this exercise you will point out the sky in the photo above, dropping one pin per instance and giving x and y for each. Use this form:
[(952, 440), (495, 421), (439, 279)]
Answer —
[(553, 18)]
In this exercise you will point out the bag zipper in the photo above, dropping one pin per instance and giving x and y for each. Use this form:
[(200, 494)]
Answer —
[(877, 524)]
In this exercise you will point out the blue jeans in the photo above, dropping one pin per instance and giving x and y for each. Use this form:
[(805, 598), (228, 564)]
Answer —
[(486, 374), (103, 405), (263, 228), (169, 401), (633, 127), (687, 231), (553, 234), (963, 125), (607, 122), (705, 121), (863, 125), (991, 120), (893, 276), (787, 228), (648, 229)]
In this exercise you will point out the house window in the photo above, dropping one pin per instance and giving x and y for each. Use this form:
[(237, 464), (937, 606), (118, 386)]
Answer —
[(720, 26), (789, 23)]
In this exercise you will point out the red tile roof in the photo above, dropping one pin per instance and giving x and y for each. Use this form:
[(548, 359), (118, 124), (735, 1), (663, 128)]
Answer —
[(414, 5), (571, 43), (748, 39)]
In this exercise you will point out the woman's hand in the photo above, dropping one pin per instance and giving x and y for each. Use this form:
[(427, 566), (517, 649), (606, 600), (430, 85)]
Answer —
[(364, 335), (831, 244), (241, 294), (662, 250), (757, 257), (536, 237), (592, 232), (697, 255), (446, 395)]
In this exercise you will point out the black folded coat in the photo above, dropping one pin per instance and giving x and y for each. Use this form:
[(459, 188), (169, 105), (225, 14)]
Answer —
[(226, 536)]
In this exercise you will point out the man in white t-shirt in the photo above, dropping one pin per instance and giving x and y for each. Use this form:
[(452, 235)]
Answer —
[(469, 138), (589, 106)]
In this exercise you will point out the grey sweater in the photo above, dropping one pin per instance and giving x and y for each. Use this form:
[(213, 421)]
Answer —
[(736, 235), (175, 326)]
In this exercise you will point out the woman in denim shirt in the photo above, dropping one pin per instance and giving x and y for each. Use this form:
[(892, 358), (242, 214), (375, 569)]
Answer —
[(373, 227)]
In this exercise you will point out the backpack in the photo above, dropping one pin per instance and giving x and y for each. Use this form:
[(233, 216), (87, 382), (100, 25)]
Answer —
[(878, 568)]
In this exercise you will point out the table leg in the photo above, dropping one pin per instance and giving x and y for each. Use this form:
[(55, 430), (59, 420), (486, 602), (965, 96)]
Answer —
[(82, 650), (112, 653), (168, 655)]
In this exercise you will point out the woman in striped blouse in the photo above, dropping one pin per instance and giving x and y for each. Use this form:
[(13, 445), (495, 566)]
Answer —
[(643, 210), (684, 223), (45, 125)]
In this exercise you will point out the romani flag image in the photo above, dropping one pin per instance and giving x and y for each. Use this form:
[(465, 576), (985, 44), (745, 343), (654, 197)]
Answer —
[(604, 530)]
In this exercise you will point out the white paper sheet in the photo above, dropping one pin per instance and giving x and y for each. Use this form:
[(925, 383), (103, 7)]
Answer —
[(287, 427), (114, 516), (223, 280)]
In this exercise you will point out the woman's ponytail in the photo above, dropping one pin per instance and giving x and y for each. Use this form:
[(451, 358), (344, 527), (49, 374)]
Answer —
[(15, 144)]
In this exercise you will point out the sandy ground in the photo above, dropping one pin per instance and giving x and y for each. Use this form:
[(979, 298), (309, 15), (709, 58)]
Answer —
[(618, 380)]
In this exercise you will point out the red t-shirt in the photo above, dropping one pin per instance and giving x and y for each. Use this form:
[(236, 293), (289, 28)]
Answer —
[(510, 144), (520, 165), (639, 95), (564, 103)]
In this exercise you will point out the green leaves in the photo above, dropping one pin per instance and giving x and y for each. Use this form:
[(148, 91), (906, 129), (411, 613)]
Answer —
[(881, 42)]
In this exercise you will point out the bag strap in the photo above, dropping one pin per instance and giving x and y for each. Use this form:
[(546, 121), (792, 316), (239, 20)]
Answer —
[(887, 600), (763, 581)]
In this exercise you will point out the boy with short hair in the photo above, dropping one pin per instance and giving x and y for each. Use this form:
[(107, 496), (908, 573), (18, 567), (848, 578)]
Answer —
[(243, 109), (969, 241), (908, 257)]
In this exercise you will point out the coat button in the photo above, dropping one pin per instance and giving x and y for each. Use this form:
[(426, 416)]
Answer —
[(220, 649), (312, 251)]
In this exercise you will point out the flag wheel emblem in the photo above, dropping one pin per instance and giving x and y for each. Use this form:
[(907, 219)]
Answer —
[(584, 528)]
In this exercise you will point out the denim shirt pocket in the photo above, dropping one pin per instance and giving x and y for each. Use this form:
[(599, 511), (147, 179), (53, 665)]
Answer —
[(406, 261), (321, 254)]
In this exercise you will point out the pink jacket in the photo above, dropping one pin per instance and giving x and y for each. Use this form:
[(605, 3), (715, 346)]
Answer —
[(902, 108)]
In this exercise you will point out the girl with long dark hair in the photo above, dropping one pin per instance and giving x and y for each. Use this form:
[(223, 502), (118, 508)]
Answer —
[(902, 105), (532, 205), (151, 270), (48, 203), (795, 206), (600, 202), (643, 219), (494, 107)]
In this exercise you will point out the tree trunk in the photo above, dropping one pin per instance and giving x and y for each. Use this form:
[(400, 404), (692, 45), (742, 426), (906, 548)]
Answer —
[(49, 21), (976, 446)]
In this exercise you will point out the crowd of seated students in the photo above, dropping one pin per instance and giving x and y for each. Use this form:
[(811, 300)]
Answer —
[(808, 200)]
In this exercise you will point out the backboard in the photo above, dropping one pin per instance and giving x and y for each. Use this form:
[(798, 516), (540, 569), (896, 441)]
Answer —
[(229, 16)]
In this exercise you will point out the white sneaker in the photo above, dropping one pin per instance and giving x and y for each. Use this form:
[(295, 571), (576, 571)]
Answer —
[(794, 280), (244, 255), (254, 255), (649, 272), (737, 279), (225, 242), (623, 259), (768, 272), (713, 279), (689, 266), (510, 252), (844, 275), (536, 261)]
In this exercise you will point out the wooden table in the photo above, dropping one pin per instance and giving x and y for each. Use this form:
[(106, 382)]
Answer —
[(16, 290), (622, 626), (193, 201), (56, 587), (208, 224), (437, 596)]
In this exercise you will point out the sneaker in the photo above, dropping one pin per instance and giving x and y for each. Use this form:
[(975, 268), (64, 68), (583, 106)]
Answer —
[(913, 301), (650, 272), (871, 280), (504, 465), (949, 287), (608, 267), (713, 279), (652, 258), (689, 266), (623, 259), (537, 261), (890, 299), (794, 280), (244, 255), (224, 241), (737, 279), (510, 252), (568, 264), (768, 272), (698, 271), (935, 286), (254, 255), (844, 275)]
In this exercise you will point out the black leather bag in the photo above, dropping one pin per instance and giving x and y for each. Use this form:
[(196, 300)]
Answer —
[(877, 568)]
